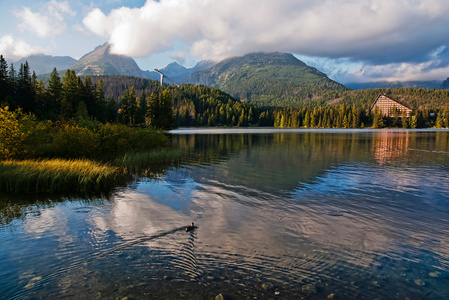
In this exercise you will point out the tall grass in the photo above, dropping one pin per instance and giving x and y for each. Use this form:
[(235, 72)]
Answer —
[(141, 161), (58, 175), (81, 175)]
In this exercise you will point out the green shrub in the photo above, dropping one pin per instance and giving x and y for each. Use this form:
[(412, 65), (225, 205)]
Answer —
[(113, 139), (73, 141), (39, 143), (145, 139), (14, 130)]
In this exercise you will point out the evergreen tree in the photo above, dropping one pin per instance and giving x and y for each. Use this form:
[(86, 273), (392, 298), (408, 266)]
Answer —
[(82, 112), (71, 94), (356, 118), (446, 117), (439, 121), (89, 96), (12, 87), (413, 122), (40, 96), (25, 92), (307, 120), (100, 102), (378, 119), (166, 116), (345, 122), (3, 79), (142, 109), (111, 111), (133, 106), (404, 119), (125, 111), (313, 122), (160, 111), (54, 96)]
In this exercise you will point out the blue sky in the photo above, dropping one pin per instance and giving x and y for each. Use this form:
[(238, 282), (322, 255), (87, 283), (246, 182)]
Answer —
[(350, 40)]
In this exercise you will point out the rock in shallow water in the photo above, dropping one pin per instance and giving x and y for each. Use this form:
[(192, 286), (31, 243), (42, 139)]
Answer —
[(419, 282), (33, 281), (434, 274), (220, 297), (267, 286), (309, 289)]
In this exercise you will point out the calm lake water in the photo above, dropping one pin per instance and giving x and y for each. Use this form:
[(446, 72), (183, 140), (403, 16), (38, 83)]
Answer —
[(281, 214)]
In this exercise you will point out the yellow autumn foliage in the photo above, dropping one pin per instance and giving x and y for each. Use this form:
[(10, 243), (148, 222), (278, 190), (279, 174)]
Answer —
[(12, 133)]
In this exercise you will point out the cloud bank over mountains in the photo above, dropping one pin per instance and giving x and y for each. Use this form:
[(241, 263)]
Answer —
[(410, 35), (352, 40), (380, 31)]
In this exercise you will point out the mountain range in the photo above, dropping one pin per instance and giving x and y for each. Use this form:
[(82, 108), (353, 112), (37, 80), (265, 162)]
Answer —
[(102, 62), (267, 79), (181, 74), (42, 64), (260, 78)]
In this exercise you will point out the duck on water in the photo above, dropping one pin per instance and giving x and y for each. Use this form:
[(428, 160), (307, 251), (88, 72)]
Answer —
[(190, 227)]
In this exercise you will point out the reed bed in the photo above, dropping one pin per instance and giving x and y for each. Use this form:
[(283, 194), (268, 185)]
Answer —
[(58, 175), (141, 161)]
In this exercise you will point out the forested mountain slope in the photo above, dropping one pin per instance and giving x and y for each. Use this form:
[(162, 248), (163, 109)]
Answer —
[(268, 79), (412, 97)]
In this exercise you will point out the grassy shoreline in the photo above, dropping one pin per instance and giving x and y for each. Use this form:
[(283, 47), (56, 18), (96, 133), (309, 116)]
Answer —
[(78, 175)]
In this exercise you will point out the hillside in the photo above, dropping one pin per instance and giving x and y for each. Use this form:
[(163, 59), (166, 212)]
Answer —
[(116, 86), (192, 105), (415, 98), (179, 73), (445, 84), (42, 64), (268, 79), (101, 62)]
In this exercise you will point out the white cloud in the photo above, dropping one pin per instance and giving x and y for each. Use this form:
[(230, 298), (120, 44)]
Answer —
[(95, 21), (370, 30), (178, 56), (50, 20), (345, 70), (16, 49), (397, 72)]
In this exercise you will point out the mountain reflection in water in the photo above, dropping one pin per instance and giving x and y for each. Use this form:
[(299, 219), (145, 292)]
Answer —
[(292, 213)]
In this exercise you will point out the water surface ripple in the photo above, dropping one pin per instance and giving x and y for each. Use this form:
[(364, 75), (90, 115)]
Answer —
[(286, 214)]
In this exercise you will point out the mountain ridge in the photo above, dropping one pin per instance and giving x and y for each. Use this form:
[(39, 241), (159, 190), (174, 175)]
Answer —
[(179, 73), (267, 79), (42, 63), (101, 61)]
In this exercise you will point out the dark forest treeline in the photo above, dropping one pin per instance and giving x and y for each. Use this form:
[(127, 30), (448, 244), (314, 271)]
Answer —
[(73, 97), (352, 116), (205, 106), (142, 102), (139, 102), (415, 98)]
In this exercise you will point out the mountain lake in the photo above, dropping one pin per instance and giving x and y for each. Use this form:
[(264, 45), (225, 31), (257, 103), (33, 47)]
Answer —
[(279, 214)]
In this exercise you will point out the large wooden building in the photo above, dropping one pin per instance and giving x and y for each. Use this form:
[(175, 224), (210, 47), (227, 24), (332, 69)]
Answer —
[(388, 106)]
